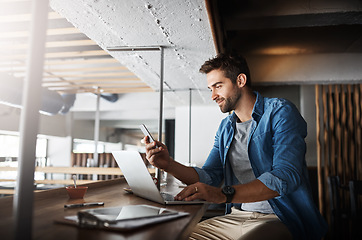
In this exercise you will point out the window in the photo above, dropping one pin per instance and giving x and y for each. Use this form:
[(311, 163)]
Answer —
[(10, 143)]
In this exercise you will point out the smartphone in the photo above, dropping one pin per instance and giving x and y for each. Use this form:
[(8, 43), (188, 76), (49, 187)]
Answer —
[(146, 133)]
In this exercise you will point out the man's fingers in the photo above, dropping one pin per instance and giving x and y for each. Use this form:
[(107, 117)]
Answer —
[(188, 193), (193, 197), (150, 146), (151, 153)]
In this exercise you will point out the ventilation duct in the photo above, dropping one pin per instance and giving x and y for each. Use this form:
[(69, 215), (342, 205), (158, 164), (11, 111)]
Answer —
[(52, 103), (68, 102), (111, 97)]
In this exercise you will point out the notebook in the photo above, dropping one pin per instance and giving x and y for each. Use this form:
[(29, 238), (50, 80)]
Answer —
[(140, 180)]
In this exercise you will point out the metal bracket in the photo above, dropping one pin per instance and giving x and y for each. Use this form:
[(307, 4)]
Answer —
[(161, 50)]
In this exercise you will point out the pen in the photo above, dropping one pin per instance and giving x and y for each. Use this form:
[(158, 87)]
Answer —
[(83, 204)]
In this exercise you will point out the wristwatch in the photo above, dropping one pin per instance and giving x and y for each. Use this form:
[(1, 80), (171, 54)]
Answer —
[(229, 192)]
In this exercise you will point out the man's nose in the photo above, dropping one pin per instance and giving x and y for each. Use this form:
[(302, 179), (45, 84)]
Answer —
[(213, 95)]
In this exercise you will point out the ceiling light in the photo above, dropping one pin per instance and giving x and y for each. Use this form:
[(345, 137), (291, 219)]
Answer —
[(281, 51)]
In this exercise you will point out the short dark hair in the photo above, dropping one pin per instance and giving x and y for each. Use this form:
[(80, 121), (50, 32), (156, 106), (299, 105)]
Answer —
[(231, 64)]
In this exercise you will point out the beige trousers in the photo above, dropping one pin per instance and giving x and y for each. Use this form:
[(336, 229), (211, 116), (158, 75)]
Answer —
[(241, 225)]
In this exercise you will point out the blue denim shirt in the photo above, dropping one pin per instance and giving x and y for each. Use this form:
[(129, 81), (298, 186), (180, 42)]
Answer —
[(276, 150)]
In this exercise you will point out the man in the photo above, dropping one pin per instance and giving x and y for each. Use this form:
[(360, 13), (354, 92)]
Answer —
[(259, 158)]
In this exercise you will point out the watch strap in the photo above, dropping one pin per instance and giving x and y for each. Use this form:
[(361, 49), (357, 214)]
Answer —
[(229, 192)]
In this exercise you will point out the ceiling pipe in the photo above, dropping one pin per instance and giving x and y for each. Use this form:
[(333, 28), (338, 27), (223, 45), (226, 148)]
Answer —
[(214, 20), (161, 50), (96, 131), (190, 105)]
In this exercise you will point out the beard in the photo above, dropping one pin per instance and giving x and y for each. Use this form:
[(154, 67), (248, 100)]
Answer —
[(230, 102)]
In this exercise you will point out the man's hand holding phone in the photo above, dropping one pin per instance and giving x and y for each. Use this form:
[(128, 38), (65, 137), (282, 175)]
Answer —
[(158, 155), (156, 152)]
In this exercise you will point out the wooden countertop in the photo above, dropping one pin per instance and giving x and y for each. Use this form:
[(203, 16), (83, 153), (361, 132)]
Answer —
[(49, 206)]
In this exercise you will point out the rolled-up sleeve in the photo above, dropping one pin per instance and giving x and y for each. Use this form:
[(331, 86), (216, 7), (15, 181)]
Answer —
[(203, 176), (274, 183), (212, 171)]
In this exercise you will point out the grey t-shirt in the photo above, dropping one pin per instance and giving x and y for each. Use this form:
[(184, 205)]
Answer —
[(240, 163)]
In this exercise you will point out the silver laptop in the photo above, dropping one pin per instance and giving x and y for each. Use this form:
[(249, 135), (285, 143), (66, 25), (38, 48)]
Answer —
[(140, 180)]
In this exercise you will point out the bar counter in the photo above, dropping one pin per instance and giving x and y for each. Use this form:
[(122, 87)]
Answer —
[(49, 207)]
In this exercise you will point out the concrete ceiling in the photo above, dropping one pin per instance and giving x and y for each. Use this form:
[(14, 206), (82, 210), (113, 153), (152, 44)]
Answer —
[(181, 27)]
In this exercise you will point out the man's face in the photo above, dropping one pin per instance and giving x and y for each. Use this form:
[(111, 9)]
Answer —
[(224, 92)]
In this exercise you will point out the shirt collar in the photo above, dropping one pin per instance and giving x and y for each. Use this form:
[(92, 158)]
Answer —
[(232, 117), (257, 112), (258, 109)]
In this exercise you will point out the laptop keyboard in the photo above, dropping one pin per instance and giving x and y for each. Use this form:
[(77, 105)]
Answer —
[(167, 196)]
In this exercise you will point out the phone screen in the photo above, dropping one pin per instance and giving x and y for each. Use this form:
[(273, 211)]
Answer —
[(146, 132)]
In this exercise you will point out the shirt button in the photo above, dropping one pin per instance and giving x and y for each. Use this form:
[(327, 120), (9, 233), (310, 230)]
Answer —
[(227, 146)]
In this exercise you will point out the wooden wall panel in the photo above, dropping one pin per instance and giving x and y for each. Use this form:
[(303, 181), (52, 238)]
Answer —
[(339, 137)]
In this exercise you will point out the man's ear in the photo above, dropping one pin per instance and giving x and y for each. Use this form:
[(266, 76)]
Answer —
[(241, 80)]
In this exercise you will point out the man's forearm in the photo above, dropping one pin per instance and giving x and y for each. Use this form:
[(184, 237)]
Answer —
[(253, 192), (187, 175)]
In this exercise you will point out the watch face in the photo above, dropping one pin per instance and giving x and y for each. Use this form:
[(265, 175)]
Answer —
[(229, 190)]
